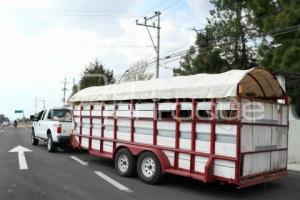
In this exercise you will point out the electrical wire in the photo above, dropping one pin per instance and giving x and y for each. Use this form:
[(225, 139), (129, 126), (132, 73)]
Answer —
[(132, 28), (178, 55), (177, 8)]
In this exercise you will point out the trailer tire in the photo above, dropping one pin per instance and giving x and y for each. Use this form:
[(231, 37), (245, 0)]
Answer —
[(149, 168), (125, 163), (51, 146), (34, 141)]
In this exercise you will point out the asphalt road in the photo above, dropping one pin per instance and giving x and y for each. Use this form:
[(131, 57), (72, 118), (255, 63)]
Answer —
[(57, 176)]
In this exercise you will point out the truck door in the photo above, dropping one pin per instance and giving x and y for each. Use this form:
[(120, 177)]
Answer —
[(44, 124), (38, 124)]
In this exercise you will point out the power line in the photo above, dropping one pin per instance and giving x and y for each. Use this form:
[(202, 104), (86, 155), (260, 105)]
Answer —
[(133, 27), (178, 55), (225, 47), (70, 14), (80, 45), (108, 13), (177, 8), (131, 31), (70, 11), (288, 31)]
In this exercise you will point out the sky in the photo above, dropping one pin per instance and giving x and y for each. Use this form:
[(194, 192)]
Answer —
[(44, 42)]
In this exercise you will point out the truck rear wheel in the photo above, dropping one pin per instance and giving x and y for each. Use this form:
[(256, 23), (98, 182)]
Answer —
[(125, 163), (149, 168), (51, 146), (34, 141)]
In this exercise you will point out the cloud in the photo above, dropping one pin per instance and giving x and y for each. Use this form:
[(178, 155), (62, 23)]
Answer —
[(38, 50)]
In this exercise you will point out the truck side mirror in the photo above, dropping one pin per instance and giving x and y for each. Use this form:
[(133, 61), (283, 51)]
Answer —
[(33, 118)]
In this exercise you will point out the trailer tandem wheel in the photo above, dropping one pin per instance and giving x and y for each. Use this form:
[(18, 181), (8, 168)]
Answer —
[(149, 168), (125, 163)]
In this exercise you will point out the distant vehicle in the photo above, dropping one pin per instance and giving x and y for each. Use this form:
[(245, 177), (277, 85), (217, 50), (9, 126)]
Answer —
[(53, 126), (5, 123), (15, 123)]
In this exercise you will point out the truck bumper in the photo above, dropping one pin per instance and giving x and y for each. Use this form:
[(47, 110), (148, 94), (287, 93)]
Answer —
[(63, 139)]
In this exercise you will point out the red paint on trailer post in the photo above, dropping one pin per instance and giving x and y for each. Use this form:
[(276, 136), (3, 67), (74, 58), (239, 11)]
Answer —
[(102, 126), (131, 121), (193, 136), (208, 171), (287, 103), (115, 126), (80, 129), (238, 163), (209, 167), (91, 126), (155, 113), (213, 127), (177, 133)]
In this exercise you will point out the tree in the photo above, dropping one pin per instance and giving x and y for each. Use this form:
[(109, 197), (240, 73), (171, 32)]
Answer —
[(202, 58), (279, 21), (232, 25), (94, 74), (226, 42), (3, 119), (137, 72), (281, 30)]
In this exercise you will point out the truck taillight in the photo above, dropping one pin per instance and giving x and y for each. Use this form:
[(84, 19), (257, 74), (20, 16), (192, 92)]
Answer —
[(58, 129)]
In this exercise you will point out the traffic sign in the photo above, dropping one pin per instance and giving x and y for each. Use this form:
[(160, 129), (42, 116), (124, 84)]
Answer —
[(19, 111)]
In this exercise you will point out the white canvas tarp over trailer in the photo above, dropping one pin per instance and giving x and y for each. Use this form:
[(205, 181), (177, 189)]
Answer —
[(253, 82)]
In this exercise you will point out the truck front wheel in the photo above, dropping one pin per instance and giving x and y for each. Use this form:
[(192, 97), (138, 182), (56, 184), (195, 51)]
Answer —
[(34, 141), (149, 168), (51, 146), (125, 163)]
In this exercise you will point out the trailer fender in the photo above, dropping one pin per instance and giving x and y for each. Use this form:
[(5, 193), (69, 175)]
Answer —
[(137, 150)]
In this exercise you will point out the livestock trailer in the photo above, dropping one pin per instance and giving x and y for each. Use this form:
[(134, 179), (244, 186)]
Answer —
[(230, 127)]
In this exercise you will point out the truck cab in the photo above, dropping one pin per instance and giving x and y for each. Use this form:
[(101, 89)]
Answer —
[(54, 126)]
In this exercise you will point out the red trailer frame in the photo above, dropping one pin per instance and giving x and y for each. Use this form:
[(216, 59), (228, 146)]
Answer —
[(137, 148)]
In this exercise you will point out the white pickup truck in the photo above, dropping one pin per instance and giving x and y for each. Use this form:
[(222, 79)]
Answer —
[(53, 126)]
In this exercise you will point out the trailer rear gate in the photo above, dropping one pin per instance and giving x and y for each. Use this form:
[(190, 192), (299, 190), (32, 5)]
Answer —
[(220, 138)]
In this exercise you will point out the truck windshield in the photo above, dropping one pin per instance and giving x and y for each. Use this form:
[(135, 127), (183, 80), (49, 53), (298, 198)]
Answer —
[(60, 115)]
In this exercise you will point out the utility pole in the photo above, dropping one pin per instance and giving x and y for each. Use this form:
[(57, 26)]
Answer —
[(64, 91), (156, 26), (120, 79), (35, 105), (44, 103)]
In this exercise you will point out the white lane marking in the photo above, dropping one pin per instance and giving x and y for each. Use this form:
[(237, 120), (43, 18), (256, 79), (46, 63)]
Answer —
[(1, 131), (21, 156), (113, 182), (79, 161)]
